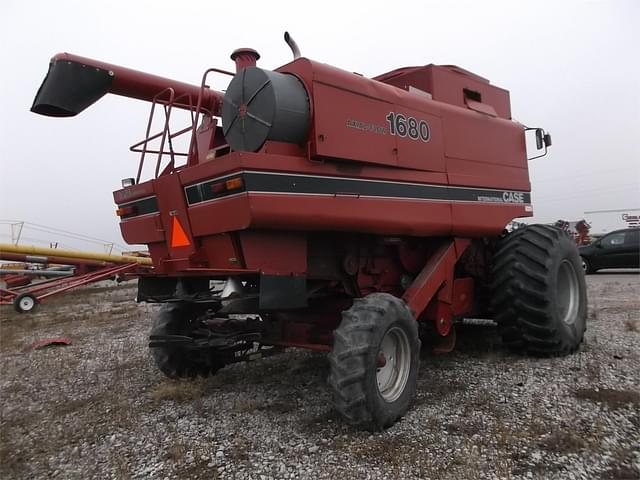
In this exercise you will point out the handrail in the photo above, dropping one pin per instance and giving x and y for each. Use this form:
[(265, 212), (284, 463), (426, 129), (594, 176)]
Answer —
[(184, 100), (165, 134), (194, 145)]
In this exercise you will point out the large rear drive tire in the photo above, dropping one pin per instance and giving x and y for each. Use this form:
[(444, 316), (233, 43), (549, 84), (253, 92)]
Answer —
[(539, 295), (374, 361), (176, 361)]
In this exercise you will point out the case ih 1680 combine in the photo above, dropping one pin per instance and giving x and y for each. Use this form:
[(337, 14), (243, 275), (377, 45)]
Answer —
[(346, 214)]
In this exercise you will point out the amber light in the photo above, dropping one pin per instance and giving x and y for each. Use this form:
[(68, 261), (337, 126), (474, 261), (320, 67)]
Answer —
[(227, 186), (234, 183), (129, 210)]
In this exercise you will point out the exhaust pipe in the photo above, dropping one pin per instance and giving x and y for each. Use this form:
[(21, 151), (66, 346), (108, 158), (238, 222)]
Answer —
[(74, 83), (245, 57), (292, 45)]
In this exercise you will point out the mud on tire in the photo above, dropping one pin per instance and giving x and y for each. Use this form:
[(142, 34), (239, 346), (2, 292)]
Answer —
[(539, 296), (176, 361), (366, 392)]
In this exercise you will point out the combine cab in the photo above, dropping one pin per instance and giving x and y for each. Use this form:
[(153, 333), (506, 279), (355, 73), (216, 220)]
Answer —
[(320, 209)]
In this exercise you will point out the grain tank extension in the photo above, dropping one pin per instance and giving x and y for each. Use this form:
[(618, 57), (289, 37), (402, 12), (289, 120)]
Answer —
[(320, 209)]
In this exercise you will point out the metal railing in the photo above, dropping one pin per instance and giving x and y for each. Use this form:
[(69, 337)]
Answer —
[(167, 98)]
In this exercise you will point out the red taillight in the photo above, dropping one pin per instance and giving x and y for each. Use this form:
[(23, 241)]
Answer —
[(227, 185), (218, 187), (126, 211)]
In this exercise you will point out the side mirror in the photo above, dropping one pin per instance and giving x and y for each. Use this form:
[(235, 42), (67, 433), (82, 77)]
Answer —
[(536, 142), (539, 139)]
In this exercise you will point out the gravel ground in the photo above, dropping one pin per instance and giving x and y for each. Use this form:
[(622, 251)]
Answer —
[(99, 408)]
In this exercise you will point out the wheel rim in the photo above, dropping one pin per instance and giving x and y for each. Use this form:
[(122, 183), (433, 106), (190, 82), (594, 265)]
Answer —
[(26, 303), (568, 292), (392, 377), (585, 267)]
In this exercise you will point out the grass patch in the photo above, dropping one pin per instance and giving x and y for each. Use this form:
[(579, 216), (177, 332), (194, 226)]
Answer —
[(391, 450), (279, 407), (632, 324), (197, 467), (177, 391), (10, 340), (564, 441), (317, 423), (245, 405), (622, 465), (610, 397)]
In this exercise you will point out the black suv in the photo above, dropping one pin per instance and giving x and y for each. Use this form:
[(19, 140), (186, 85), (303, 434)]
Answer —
[(618, 249)]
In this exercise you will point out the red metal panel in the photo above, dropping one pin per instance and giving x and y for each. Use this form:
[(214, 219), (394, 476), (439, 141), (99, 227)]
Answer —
[(222, 215), (158, 251), (462, 296), (448, 84), (438, 271), (487, 175), (142, 230), (352, 126), (416, 153), (275, 253), (172, 203), (417, 77), (351, 213), (484, 220), (220, 252), (475, 136), (134, 192), (284, 163)]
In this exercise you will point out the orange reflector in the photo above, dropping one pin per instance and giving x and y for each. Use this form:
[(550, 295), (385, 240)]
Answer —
[(178, 236), (234, 183)]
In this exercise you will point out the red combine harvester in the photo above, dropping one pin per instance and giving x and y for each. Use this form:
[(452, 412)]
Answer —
[(345, 214)]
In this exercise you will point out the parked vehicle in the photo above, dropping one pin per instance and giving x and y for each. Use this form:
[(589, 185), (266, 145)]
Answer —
[(617, 249)]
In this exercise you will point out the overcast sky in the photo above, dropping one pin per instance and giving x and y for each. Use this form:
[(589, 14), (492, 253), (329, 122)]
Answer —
[(571, 67)]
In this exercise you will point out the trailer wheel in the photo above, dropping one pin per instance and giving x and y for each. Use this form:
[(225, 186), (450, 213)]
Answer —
[(176, 361), (24, 303), (374, 361), (539, 295)]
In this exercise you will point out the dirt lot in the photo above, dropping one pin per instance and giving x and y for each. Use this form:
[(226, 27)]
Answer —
[(99, 408)]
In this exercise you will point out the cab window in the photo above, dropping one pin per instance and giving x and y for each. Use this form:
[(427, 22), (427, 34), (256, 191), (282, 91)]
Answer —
[(632, 237), (613, 240)]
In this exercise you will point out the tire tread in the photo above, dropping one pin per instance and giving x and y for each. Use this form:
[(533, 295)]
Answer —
[(521, 290)]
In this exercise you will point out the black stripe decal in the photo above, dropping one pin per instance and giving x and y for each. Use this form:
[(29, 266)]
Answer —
[(316, 185), (202, 192), (143, 206)]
